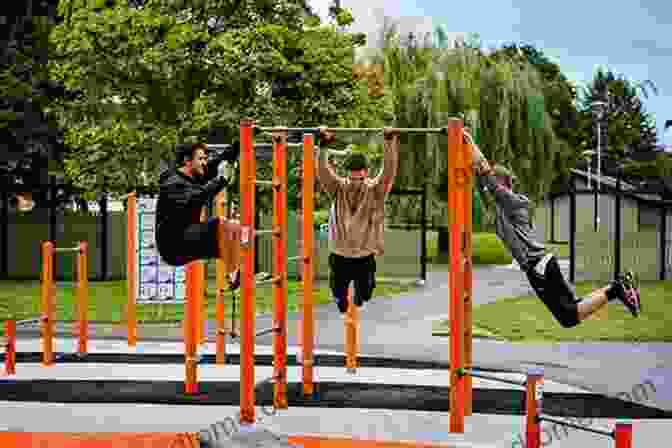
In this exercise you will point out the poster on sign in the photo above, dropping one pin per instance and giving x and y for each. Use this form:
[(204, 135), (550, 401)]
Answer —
[(158, 282)]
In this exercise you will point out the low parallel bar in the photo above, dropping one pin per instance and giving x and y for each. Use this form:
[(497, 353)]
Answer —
[(296, 258), (265, 231), (543, 418), (463, 372), (25, 322), (443, 131), (264, 182)]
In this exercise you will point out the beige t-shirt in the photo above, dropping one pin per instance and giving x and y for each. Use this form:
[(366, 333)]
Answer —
[(359, 206)]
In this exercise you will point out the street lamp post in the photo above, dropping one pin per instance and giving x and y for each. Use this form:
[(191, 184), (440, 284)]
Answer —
[(598, 112)]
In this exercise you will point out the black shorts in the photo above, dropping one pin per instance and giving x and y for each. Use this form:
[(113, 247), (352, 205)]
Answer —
[(361, 271), (196, 242), (556, 293)]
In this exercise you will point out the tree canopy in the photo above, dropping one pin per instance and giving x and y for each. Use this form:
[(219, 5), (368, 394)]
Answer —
[(174, 71)]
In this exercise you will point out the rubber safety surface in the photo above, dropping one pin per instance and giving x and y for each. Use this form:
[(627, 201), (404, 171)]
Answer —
[(330, 394)]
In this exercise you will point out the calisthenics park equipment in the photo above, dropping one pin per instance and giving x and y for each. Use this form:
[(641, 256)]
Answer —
[(247, 192), (47, 318), (460, 194)]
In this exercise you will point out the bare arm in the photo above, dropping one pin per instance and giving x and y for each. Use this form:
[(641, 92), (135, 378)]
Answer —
[(391, 163), (326, 175)]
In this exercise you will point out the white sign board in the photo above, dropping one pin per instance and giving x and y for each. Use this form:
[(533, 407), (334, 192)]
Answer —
[(157, 281)]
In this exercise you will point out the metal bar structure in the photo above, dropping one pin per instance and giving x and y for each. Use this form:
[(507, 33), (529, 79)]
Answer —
[(490, 377), (191, 329), (222, 268), (351, 330), (459, 181), (466, 194), (131, 274), (442, 131), (247, 315), (622, 433), (307, 337), (575, 426), (83, 297), (10, 347), (280, 269), (47, 299)]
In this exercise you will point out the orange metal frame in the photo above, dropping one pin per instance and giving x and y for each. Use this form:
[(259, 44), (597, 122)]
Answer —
[(280, 269), (247, 315), (48, 292), (307, 322)]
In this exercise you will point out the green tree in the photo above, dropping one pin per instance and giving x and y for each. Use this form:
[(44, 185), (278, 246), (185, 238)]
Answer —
[(31, 143), (559, 94), (172, 71), (627, 128), (426, 84)]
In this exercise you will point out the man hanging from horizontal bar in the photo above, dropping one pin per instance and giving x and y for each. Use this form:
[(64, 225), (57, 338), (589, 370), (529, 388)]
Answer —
[(181, 237), (514, 229), (359, 214)]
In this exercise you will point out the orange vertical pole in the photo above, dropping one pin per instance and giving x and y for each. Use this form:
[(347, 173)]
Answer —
[(467, 194), (191, 332), (351, 329), (223, 267), (308, 198), (455, 203), (280, 269), (533, 400), (82, 296), (10, 347), (202, 288), (47, 317), (131, 266), (247, 315), (623, 435)]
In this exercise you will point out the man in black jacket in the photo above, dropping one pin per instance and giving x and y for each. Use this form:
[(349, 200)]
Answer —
[(181, 237)]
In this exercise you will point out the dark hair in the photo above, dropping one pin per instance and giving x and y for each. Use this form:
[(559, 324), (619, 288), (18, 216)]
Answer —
[(356, 161), (185, 151)]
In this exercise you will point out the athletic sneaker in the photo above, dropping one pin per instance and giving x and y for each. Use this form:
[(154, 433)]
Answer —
[(624, 288), (342, 304)]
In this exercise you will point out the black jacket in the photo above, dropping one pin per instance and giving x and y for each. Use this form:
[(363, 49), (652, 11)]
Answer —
[(181, 201)]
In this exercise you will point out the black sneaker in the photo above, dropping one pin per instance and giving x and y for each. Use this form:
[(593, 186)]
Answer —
[(342, 304), (624, 289)]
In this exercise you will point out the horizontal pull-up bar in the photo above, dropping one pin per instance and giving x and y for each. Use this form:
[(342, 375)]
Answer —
[(37, 320), (443, 131), (256, 145)]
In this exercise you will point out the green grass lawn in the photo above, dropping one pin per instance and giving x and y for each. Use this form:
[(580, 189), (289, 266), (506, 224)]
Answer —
[(527, 319), (107, 301), (486, 249)]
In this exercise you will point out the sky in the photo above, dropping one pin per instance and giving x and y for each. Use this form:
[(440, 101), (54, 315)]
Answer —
[(633, 39)]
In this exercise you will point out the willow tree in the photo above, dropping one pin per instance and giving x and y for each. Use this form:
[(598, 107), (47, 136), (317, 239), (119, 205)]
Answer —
[(497, 96)]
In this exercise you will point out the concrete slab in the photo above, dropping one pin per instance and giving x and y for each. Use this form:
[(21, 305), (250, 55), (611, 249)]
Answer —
[(480, 430)]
